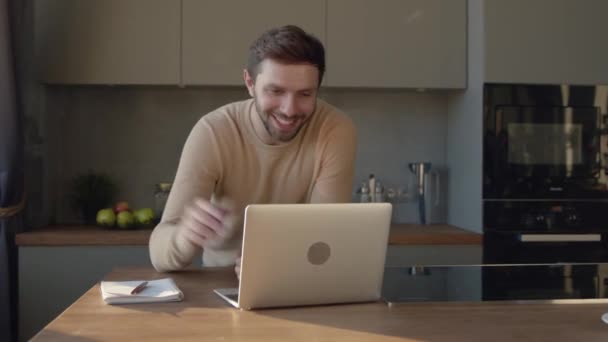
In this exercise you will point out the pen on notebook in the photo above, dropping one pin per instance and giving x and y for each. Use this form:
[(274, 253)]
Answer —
[(139, 288)]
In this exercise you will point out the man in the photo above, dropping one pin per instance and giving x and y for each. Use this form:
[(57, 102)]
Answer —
[(282, 146)]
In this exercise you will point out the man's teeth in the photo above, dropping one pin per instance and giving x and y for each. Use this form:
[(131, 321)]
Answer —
[(285, 122)]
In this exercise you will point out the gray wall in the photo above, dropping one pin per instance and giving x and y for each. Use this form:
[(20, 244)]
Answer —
[(136, 134), (464, 138)]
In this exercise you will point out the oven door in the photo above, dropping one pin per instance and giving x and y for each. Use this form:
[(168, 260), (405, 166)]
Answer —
[(543, 152), (542, 247), (542, 282)]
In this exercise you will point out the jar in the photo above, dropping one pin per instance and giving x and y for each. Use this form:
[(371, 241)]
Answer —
[(161, 193)]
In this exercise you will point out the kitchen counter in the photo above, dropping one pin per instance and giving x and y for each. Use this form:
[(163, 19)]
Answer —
[(401, 234), (204, 316)]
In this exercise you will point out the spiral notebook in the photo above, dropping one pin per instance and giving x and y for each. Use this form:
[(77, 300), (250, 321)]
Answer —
[(156, 291)]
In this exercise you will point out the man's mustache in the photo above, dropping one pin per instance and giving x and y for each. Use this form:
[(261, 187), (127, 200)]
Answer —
[(287, 117)]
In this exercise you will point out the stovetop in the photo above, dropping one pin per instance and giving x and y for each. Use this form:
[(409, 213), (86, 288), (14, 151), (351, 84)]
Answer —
[(560, 282)]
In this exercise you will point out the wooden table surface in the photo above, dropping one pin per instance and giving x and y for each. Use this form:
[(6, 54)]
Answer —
[(204, 316)]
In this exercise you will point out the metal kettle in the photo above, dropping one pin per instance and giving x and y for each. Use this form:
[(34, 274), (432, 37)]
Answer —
[(425, 180)]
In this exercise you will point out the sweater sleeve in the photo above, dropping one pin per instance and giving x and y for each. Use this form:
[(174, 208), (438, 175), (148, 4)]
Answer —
[(197, 173), (338, 151)]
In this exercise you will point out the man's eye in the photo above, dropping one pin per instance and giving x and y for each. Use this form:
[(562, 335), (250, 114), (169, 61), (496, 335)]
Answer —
[(276, 91), (306, 94)]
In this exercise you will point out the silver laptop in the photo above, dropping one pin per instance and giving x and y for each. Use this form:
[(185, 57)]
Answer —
[(308, 254)]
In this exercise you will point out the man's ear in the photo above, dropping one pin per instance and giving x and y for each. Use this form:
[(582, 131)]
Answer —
[(249, 82)]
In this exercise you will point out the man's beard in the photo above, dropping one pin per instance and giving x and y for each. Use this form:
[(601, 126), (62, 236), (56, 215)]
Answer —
[(275, 133)]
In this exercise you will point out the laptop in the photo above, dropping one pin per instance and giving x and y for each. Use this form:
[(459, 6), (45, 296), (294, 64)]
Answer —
[(311, 254)]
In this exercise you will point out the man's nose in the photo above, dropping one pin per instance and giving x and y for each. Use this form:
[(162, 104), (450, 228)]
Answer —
[(289, 106)]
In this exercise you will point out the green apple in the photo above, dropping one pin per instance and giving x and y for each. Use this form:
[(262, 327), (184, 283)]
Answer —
[(125, 219), (144, 216), (106, 217)]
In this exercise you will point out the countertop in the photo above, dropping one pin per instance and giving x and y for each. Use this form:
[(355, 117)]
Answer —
[(400, 234), (204, 316)]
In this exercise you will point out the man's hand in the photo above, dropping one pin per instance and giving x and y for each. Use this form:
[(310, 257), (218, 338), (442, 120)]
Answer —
[(207, 225)]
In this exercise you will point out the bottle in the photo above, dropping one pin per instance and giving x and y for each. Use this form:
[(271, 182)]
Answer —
[(364, 193), (378, 193), (372, 188), (161, 193)]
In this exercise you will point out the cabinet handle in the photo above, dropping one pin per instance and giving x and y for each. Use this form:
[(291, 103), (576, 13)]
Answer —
[(560, 237)]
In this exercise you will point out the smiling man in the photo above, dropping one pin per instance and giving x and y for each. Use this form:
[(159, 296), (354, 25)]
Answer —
[(284, 145)]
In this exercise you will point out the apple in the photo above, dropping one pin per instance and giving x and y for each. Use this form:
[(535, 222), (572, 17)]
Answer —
[(106, 217), (125, 219), (121, 206), (144, 216)]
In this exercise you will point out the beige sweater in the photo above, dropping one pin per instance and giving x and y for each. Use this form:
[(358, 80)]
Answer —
[(224, 158)]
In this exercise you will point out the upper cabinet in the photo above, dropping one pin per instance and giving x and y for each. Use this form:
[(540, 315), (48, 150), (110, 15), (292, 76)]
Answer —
[(546, 41), (108, 41), (384, 43), (396, 43), (217, 34)]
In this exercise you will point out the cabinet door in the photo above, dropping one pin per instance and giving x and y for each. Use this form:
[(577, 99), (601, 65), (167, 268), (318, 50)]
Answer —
[(52, 278), (108, 41), (407, 255), (546, 41), (217, 34), (396, 43)]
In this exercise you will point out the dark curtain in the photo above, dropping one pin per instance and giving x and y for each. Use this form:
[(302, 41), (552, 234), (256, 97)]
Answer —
[(11, 177)]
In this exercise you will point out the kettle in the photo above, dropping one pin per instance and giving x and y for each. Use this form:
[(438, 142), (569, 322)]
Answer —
[(428, 190)]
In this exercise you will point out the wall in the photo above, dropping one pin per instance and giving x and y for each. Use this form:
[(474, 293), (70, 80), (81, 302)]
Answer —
[(135, 134), (464, 138)]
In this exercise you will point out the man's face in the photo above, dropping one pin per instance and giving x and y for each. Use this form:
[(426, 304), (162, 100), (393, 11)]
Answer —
[(285, 96)]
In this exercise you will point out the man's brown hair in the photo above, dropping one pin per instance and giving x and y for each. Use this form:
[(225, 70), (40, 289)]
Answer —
[(287, 44)]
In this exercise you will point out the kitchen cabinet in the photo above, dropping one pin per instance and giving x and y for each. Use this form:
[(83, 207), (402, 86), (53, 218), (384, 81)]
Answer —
[(396, 43), (217, 34), (108, 41), (53, 277), (407, 255), (546, 41)]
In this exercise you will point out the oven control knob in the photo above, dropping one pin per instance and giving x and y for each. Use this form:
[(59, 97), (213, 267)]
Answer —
[(540, 219), (572, 219), (529, 220)]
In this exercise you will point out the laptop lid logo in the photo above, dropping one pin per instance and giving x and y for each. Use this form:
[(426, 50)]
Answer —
[(318, 253)]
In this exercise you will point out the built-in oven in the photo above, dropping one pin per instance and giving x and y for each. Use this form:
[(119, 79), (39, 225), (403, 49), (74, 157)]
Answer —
[(545, 180), (547, 281), (543, 231)]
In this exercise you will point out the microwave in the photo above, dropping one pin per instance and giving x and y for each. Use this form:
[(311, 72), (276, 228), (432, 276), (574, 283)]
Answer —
[(544, 142)]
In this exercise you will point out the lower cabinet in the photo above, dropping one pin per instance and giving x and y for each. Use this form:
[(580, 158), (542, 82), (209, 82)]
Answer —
[(407, 255), (52, 278)]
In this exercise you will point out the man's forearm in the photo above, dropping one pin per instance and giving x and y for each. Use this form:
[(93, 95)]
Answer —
[(170, 251)]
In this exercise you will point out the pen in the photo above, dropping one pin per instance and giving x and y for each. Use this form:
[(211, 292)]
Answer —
[(139, 288)]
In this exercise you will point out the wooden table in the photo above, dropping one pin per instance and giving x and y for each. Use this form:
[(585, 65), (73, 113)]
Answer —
[(204, 316)]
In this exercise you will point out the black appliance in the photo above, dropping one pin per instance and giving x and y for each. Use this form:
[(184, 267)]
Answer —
[(513, 282), (545, 181)]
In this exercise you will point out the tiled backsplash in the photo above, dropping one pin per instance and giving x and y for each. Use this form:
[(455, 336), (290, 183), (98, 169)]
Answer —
[(136, 134)]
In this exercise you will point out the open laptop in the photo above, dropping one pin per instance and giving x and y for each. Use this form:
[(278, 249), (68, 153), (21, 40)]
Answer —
[(307, 254)]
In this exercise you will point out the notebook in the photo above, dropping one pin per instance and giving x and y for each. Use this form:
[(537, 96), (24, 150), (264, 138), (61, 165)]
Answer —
[(160, 290)]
